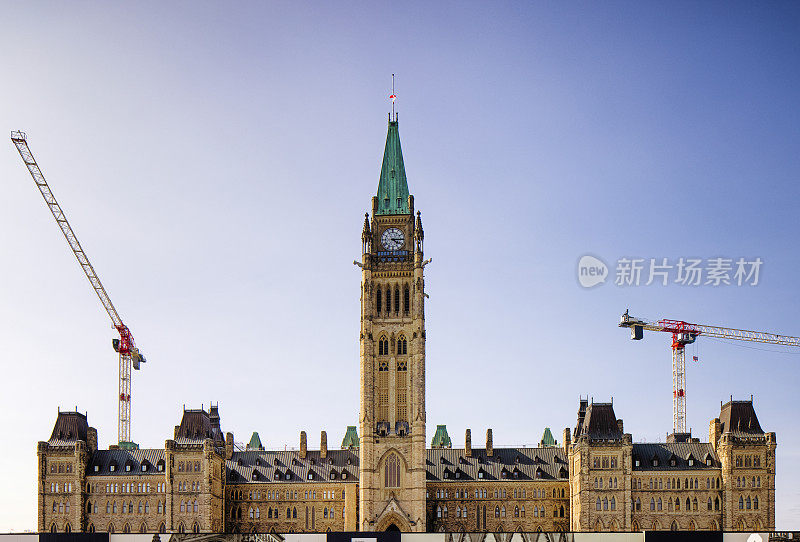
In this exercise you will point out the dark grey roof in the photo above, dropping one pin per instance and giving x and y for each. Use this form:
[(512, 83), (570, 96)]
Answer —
[(739, 418), (265, 464), (528, 463), (599, 423), (198, 425), (680, 451), (105, 458), (69, 428)]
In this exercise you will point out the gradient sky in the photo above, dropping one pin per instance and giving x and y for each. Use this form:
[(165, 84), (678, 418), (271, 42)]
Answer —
[(216, 160)]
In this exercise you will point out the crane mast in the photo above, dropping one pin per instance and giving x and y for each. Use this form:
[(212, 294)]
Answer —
[(129, 355), (684, 333)]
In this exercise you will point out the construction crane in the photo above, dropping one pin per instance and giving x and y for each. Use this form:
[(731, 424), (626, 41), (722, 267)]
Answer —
[(684, 333), (129, 355)]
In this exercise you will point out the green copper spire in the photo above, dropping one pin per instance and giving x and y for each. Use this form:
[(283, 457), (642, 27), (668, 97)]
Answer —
[(441, 439), (350, 440), (547, 439), (392, 185), (255, 442)]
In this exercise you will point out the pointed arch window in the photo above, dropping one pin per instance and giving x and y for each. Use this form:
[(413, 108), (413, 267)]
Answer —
[(383, 346), (402, 345), (406, 300), (392, 471), (397, 300), (378, 300)]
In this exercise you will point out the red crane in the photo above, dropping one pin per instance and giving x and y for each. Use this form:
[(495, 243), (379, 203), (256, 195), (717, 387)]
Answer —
[(684, 333), (128, 353)]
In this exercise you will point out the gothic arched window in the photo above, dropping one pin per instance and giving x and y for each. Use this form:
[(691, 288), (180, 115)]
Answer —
[(383, 346), (378, 301), (397, 299), (402, 345), (392, 471), (406, 300)]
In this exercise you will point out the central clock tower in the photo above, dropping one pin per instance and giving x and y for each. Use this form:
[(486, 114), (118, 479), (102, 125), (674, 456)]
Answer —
[(392, 348)]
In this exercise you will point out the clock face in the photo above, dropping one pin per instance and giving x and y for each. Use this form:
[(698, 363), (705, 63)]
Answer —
[(392, 239)]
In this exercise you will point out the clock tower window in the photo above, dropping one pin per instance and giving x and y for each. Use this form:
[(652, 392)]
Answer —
[(378, 301), (406, 300), (397, 300)]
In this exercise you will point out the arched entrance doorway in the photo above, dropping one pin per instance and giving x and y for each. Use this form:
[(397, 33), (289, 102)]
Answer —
[(392, 528)]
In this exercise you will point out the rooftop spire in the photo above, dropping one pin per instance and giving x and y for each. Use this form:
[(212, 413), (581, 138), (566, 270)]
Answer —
[(392, 184)]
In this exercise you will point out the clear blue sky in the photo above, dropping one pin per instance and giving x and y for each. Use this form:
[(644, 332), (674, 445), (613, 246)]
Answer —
[(216, 161)]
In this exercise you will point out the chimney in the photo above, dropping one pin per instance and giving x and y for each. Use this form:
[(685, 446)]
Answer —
[(91, 439), (567, 439), (619, 425), (468, 443), (323, 445), (714, 432), (228, 445), (489, 445), (303, 445)]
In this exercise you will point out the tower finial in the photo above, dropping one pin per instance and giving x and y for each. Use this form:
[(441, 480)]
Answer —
[(393, 96)]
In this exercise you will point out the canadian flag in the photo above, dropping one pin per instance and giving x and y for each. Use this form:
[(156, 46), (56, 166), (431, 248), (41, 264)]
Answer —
[(695, 358), (392, 96)]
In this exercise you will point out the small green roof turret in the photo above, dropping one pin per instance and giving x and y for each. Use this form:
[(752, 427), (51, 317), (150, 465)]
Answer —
[(350, 440), (255, 442), (441, 439), (392, 184), (547, 439)]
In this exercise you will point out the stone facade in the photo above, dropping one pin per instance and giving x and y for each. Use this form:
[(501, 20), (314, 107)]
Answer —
[(598, 479)]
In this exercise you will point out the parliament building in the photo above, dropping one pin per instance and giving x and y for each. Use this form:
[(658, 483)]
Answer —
[(384, 476)]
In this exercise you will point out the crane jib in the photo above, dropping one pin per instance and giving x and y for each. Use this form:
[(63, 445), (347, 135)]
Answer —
[(129, 355)]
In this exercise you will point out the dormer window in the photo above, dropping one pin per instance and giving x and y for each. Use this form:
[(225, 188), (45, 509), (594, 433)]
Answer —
[(275, 461), (672, 462), (708, 461), (333, 475), (160, 466), (312, 462), (128, 467), (691, 461), (97, 468), (637, 463), (255, 475), (349, 461), (144, 467), (344, 475), (288, 476), (446, 474), (480, 474), (239, 461), (277, 475), (112, 467), (655, 462)]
